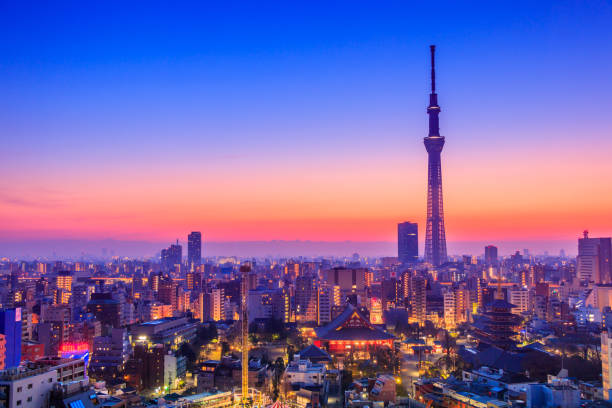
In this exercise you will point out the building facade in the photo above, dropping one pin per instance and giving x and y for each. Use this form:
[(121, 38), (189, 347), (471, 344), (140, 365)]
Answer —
[(408, 242)]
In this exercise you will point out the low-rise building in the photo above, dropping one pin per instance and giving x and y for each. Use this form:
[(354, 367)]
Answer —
[(304, 373), (68, 369), (171, 332), (26, 387)]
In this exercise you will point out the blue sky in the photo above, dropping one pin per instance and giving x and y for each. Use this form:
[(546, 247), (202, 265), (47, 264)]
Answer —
[(102, 99)]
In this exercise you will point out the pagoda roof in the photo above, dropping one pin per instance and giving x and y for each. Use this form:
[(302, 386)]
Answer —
[(312, 352), (501, 304), (351, 325)]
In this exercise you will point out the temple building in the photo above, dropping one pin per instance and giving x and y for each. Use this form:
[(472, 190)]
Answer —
[(497, 325), (351, 332)]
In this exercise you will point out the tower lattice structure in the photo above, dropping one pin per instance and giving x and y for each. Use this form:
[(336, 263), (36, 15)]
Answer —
[(435, 237), (244, 317)]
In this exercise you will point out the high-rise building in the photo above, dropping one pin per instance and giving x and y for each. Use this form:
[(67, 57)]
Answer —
[(376, 311), (325, 302), (216, 304), (109, 355), (418, 299), (266, 304), (594, 259), (10, 327), (491, 255), (64, 280), (167, 292), (171, 256), (456, 306), (519, 297), (435, 238), (107, 310), (194, 249), (305, 299), (390, 291), (145, 370), (350, 280), (408, 242), (606, 363)]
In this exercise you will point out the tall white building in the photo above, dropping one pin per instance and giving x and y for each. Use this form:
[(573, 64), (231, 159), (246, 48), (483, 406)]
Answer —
[(520, 299), (606, 359), (593, 261), (217, 304), (328, 296)]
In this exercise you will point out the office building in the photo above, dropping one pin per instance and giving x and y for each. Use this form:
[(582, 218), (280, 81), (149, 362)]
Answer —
[(328, 296), (172, 256), (145, 370), (350, 280), (491, 258), (109, 355), (408, 242), (456, 306), (64, 280), (10, 328), (194, 249), (606, 363), (594, 259), (3, 351), (107, 310), (520, 299), (266, 304), (418, 299), (167, 292), (305, 299)]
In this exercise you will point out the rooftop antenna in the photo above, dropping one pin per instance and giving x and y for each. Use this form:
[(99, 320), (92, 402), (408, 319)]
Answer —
[(432, 48)]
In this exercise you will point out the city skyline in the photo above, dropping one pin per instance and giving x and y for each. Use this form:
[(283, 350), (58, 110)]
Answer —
[(320, 140), (242, 205)]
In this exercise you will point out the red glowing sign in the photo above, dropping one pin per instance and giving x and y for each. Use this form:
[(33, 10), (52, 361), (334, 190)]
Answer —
[(74, 347)]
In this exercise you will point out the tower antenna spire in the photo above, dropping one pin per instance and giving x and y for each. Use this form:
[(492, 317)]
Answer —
[(435, 239), (432, 49)]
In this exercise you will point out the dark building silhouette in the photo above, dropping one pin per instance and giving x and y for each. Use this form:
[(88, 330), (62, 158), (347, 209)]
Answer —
[(107, 310), (194, 249), (408, 242), (491, 255), (306, 298), (171, 256), (418, 299), (167, 292), (435, 239), (145, 370)]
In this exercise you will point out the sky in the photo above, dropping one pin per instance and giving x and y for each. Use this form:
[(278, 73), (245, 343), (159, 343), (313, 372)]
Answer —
[(302, 120)]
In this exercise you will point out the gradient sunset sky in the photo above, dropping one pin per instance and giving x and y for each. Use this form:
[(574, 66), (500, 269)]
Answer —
[(277, 120)]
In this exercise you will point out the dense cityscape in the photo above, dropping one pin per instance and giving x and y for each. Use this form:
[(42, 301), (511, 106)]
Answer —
[(423, 327), (525, 330)]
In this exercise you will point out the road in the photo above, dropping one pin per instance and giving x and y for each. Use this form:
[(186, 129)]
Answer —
[(409, 368)]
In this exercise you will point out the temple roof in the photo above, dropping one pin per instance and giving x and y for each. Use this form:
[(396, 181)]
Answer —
[(314, 354), (351, 325), (501, 304)]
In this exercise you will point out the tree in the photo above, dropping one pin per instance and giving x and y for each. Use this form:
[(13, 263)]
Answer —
[(449, 345), (347, 379), (225, 348), (279, 368), (186, 351)]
